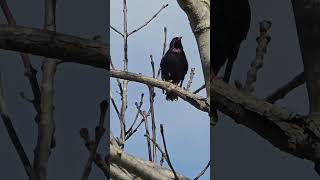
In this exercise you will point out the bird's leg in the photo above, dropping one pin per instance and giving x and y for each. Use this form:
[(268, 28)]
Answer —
[(181, 83), (214, 73), (228, 70)]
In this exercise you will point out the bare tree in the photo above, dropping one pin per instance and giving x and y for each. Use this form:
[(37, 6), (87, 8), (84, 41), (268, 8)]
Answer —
[(58, 48), (290, 132), (198, 12)]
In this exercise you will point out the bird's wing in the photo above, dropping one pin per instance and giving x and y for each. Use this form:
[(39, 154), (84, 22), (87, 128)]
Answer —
[(185, 63)]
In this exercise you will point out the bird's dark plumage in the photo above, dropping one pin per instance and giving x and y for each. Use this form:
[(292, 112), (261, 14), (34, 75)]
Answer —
[(174, 65), (231, 22)]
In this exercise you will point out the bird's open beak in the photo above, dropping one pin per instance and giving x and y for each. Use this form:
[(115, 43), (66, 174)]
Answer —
[(180, 37)]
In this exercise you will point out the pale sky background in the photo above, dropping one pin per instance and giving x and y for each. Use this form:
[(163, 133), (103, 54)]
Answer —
[(186, 128), (239, 153)]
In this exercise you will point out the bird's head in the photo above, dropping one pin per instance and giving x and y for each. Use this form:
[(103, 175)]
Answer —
[(176, 43)]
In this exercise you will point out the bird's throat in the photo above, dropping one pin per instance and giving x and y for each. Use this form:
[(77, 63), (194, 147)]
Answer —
[(176, 50)]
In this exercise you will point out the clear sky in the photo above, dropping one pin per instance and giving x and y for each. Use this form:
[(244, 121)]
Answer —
[(186, 128)]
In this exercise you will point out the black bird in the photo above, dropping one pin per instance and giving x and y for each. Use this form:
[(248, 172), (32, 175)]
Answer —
[(231, 22), (174, 66)]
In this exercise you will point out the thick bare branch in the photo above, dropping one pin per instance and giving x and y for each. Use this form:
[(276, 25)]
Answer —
[(140, 167), (198, 12), (195, 100), (287, 131), (66, 48)]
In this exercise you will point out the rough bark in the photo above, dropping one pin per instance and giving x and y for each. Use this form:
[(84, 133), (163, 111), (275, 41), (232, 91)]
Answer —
[(66, 48), (140, 167), (287, 131), (195, 100), (198, 12)]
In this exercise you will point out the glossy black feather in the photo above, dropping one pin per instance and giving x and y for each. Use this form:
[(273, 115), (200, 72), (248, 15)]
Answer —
[(231, 22), (174, 65)]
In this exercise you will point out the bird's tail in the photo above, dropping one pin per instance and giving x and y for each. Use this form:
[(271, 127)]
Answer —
[(171, 96)]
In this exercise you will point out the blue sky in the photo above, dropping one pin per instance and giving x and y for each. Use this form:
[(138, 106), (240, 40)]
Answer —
[(186, 128)]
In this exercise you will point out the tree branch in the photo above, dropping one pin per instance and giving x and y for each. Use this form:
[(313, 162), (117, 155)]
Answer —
[(139, 167), (66, 48), (46, 125), (198, 12), (109, 170), (99, 132), (287, 131), (30, 72), (285, 89), (146, 23), (263, 41), (14, 137), (195, 100)]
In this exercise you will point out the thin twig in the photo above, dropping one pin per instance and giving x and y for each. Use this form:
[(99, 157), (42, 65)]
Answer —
[(46, 126), (164, 48), (30, 72), (124, 94), (285, 89), (146, 23), (158, 147), (114, 105), (153, 119), (108, 169), (261, 49), (99, 131), (192, 73), (117, 79), (164, 41), (152, 66), (14, 137), (130, 130), (145, 119), (203, 171), (199, 89), (162, 160), (117, 31), (165, 148), (130, 133)]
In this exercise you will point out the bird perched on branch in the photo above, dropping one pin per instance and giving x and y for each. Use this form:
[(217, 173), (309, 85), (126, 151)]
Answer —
[(174, 66), (231, 22)]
